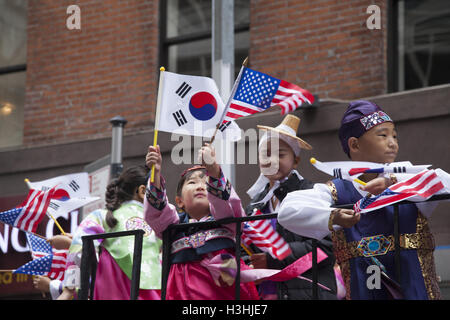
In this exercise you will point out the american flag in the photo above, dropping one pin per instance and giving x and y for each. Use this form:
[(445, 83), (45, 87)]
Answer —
[(30, 213), (263, 235), (255, 91), (47, 261), (423, 185)]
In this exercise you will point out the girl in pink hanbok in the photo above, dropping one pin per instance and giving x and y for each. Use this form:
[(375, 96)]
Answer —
[(203, 265)]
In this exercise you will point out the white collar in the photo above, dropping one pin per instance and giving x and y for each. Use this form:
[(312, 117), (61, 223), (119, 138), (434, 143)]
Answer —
[(261, 184)]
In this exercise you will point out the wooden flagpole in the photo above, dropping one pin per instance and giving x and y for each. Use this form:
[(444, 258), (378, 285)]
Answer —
[(158, 102), (246, 249)]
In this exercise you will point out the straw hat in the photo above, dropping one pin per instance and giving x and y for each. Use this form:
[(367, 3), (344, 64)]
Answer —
[(289, 128)]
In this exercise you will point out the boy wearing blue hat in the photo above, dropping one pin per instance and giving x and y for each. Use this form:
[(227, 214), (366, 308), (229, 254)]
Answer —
[(367, 133)]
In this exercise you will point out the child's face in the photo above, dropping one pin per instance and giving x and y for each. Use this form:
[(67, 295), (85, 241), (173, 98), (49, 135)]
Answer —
[(379, 144), (277, 160), (193, 197)]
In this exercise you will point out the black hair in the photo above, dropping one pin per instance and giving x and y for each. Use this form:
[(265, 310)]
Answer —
[(123, 189), (185, 177)]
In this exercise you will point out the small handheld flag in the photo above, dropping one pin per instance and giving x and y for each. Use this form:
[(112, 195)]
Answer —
[(30, 213), (255, 92), (191, 105), (71, 192), (263, 235), (46, 260), (348, 169), (423, 185), (27, 181)]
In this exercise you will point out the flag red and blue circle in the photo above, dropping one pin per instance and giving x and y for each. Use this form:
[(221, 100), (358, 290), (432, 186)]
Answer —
[(203, 106), (61, 194)]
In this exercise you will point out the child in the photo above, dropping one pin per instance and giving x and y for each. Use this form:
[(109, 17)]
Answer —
[(367, 134), (267, 193), (124, 211), (203, 194)]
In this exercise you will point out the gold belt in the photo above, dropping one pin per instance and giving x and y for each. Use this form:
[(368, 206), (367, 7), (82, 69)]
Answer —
[(344, 250)]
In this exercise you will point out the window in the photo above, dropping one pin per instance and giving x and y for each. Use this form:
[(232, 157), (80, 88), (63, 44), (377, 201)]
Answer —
[(186, 35), (423, 43), (13, 51)]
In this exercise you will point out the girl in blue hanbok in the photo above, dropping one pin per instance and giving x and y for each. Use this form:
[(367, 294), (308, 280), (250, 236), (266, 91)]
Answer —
[(361, 240)]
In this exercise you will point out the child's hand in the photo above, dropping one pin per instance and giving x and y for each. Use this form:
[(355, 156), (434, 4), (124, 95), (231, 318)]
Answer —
[(154, 157), (376, 186), (207, 156), (259, 260), (345, 218), (41, 283), (67, 294), (61, 242)]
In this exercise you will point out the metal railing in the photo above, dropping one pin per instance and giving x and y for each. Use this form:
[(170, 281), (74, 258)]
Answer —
[(89, 263), (88, 266)]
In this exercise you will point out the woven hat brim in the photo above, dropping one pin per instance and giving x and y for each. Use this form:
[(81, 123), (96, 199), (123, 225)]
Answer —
[(303, 144)]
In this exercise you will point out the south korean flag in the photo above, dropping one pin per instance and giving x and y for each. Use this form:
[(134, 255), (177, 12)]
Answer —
[(191, 105), (71, 192)]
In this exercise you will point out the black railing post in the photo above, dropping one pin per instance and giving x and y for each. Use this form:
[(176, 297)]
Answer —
[(315, 292), (88, 265), (93, 266), (137, 259), (397, 244), (166, 243), (86, 269), (237, 282)]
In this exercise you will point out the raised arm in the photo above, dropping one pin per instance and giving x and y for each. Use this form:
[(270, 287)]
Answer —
[(158, 212), (224, 200)]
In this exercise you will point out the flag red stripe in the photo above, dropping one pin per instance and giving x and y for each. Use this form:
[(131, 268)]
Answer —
[(357, 170), (389, 199), (35, 210), (432, 190), (42, 210), (421, 185), (29, 212), (292, 86), (289, 85), (233, 115), (31, 195), (408, 182), (39, 212), (262, 234), (287, 94), (243, 108)]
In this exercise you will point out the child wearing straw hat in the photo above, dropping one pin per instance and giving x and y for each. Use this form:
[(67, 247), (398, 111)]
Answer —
[(279, 156)]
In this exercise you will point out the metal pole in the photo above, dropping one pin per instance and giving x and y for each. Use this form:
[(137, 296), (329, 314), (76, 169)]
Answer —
[(397, 244), (137, 258), (93, 266), (222, 46), (237, 282), (88, 264), (401, 45), (118, 123), (315, 291), (165, 263), (85, 270)]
